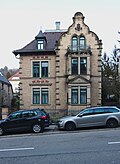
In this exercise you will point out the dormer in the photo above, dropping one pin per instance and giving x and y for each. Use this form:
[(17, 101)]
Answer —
[(41, 41)]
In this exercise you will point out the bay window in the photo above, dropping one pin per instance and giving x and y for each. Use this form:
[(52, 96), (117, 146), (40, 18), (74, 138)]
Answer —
[(83, 65), (74, 66), (79, 66)]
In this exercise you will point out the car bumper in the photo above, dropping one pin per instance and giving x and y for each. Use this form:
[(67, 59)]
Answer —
[(60, 125), (47, 123)]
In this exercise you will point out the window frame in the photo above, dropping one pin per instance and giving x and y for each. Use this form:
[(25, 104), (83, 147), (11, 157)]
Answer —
[(40, 44), (78, 70), (79, 94), (36, 97), (75, 43), (40, 99), (78, 43), (35, 68), (83, 92), (74, 90), (39, 69), (74, 68), (83, 72), (82, 43), (44, 96), (44, 70)]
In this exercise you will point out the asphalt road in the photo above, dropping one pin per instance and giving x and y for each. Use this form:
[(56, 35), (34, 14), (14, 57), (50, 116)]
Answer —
[(91, 146)]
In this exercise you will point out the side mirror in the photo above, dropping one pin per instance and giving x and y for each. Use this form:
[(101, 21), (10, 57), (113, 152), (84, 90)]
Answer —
[(80, 115)]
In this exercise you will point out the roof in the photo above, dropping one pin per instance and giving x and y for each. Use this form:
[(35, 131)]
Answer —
[(51, 39), (3, 79), (14, 77)]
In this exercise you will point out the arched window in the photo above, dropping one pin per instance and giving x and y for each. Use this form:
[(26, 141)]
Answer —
[(74, 43), (82, 42)]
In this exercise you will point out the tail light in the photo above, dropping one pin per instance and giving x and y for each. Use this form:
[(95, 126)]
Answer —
[(44, 117)]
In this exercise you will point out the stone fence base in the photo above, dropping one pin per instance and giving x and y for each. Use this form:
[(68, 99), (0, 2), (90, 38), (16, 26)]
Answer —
[(4, 113)]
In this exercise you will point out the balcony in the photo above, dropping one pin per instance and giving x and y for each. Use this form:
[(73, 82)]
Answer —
[(79, 49)]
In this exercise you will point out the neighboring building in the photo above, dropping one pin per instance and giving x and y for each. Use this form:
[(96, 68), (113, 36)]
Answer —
[(6, 92), (15, 80), (61, 70)]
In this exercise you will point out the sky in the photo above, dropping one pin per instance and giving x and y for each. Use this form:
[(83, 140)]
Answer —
[(21, 21)]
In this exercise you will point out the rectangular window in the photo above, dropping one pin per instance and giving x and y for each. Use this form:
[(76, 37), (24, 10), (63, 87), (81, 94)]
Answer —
[(74, 95), (40, 96), (83, 95), (40, 69), (36, 96), (36, 69), (78, 95), (40, 44), (82, 42), (83, 66), (74, 43), (44, 69), (74, 66), (44, 96)]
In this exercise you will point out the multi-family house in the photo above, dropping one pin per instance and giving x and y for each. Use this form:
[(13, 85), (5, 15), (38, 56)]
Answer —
[(6, 93), (14, 80), (61, 69)]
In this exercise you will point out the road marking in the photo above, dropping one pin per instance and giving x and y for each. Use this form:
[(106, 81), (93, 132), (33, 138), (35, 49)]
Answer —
[(17, 149), (110, 143)]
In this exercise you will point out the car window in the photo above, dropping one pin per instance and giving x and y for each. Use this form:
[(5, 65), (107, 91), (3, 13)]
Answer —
[(42, 112), (86, 112), (98, 111), (25, 114), (112, 110), (15, 115), (29, 114)]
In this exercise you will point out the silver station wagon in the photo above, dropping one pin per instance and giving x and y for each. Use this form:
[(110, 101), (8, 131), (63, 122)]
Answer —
[(108, 116)]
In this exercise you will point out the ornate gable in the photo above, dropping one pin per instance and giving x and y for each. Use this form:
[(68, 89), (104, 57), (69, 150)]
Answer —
[(78, 80)]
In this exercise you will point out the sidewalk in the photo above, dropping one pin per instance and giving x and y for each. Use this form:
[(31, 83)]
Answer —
[(51, 128)]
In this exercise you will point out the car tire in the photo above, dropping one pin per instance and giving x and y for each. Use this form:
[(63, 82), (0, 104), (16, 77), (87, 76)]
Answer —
[(112, 123), (36, 128), (1, 131), (70, 126)]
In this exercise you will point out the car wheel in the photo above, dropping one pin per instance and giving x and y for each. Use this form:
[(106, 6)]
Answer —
[(37, 128), (1, 131), (69, 126), (112, 123)]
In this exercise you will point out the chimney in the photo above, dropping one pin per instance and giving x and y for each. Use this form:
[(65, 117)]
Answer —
[(57, 25)]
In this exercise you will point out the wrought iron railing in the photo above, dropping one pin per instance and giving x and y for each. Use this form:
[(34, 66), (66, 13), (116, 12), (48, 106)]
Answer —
[(76, 49)]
